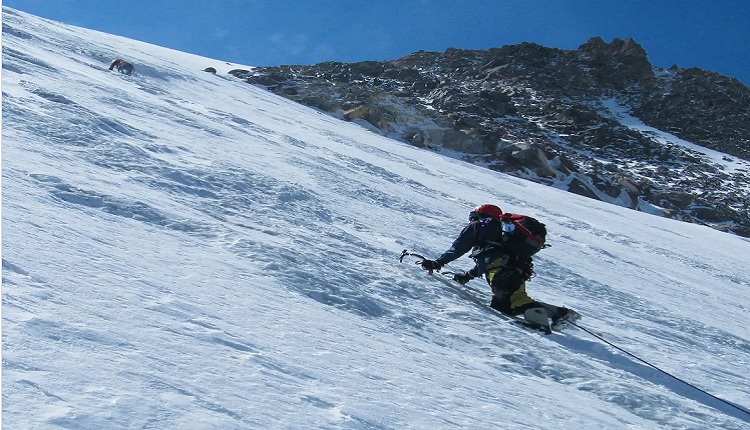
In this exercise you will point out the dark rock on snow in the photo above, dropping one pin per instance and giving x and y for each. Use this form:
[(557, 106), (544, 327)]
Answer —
[(559, 117)]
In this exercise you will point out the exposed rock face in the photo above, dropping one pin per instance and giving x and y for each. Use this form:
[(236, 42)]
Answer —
[(599, 121)]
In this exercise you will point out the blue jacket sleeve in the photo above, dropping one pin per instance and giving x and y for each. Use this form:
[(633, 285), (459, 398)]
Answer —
[(463, 244)]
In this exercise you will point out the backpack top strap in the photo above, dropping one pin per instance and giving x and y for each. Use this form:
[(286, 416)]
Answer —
[(517, 221)]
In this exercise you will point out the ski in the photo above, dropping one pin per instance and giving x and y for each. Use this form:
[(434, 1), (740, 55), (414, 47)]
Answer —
[(519, 320), (535, 319), (547, 328)]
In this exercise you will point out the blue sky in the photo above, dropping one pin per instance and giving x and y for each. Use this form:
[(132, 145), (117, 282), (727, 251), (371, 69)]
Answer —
[(712, 35)]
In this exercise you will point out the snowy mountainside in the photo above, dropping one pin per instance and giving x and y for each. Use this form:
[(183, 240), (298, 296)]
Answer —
[(183, 250), (545, 114)]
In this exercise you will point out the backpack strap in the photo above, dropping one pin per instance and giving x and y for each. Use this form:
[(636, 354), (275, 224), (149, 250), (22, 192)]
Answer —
[(482, 233), (483, 229)]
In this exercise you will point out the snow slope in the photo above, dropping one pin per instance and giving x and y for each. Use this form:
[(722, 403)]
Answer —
[(183, 250)]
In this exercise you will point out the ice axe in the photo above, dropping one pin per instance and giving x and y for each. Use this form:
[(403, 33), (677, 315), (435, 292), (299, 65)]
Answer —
[(405, 253)]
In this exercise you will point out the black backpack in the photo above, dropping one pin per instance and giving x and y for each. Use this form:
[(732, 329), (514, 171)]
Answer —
[(527, 237)]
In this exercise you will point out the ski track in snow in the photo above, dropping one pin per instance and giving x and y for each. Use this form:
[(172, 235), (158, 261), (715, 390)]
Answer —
[(182, 250)]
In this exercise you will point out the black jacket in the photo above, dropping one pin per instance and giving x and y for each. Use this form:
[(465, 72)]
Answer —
[(484, 238)]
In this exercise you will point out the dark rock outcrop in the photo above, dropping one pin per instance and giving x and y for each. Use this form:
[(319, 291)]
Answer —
[(600, 121)]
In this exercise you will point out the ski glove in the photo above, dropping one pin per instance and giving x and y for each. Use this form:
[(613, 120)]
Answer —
[(463, 277), (430, 265)]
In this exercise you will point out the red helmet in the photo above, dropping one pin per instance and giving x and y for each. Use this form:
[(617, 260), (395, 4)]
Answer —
[(484, 211)]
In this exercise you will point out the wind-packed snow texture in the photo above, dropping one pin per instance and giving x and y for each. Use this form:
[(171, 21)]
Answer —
[(182, 250)]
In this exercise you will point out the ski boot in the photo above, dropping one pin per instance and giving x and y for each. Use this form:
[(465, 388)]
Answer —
[(564, 318)]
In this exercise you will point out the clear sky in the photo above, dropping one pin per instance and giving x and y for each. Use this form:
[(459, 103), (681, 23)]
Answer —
[(710, 34)]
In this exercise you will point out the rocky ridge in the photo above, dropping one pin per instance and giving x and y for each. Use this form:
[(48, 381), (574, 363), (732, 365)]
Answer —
[(599, 121)]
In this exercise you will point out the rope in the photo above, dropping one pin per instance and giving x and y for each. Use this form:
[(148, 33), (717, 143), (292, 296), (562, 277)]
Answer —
[(657, 368), (405, 253)]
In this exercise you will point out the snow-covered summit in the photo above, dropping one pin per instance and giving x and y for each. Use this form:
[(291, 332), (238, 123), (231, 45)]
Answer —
[(183, 250)]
